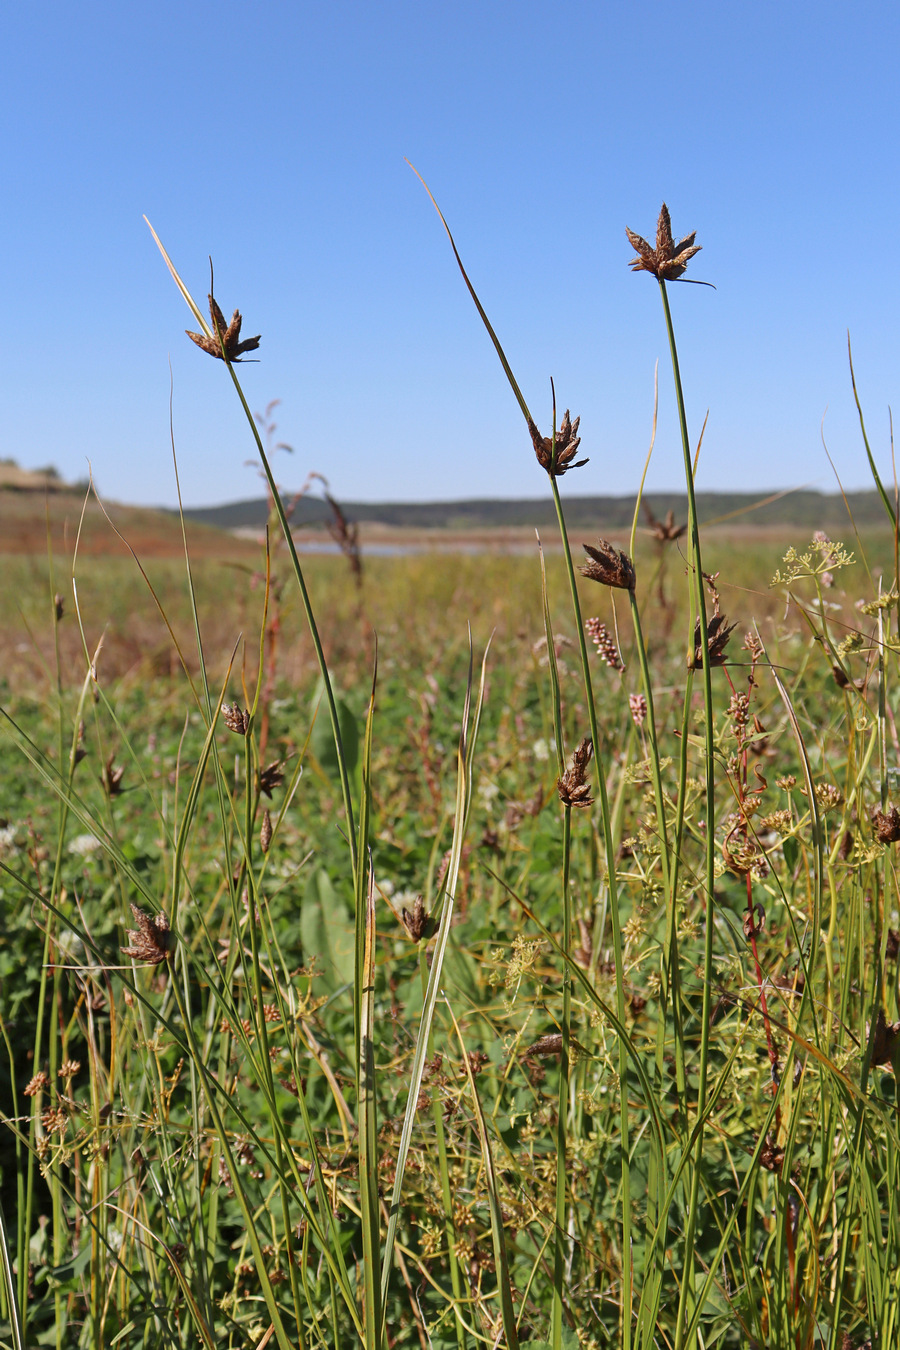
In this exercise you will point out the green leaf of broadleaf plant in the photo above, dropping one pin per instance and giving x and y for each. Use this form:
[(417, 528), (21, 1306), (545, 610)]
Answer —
[(327, 933), (322, 744)]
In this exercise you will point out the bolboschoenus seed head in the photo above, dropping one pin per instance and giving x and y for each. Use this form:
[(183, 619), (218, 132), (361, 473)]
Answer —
[(151, 941), (237, 719), (225, 342), (567, 442), (668, 260), (572, 786), (718, 631), (886, 825), (609, 566)]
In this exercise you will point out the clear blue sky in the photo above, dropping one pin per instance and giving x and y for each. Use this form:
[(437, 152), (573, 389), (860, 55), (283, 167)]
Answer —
[(273, 136)]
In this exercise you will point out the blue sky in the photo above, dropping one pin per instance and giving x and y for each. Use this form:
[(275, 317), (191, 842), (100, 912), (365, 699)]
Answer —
[(273, 136)]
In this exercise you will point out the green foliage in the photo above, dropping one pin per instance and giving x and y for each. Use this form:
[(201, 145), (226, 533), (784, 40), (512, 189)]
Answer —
[(419, 1055)]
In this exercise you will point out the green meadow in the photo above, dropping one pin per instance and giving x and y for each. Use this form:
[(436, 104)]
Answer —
[(473, 950)]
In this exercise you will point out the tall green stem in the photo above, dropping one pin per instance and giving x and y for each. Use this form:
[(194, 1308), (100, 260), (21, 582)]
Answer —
[(609, 850), (699, 606)]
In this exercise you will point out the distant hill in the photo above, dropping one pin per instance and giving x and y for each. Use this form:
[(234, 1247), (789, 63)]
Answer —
[(806, 508), (16, 479), (28, 516)]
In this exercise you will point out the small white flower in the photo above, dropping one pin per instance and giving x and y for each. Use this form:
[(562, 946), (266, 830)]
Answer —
[(84, 845), (405, 899), (488, 793), (542, 749), (7, 838)]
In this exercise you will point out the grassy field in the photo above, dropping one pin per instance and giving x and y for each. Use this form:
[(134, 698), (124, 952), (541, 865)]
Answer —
[(406, 992)]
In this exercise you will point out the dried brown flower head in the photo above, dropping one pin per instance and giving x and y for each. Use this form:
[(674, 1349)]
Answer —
[(886, 1040), (609, 566), (237, 719), (754, 920), (668, 260), (151, 941), (271, 777), (36, 1084), (567, 442), (417, 921), (230, 336), (547, 1045), (718, 631), (69, 1068), (772, 1155), (887, 825), (665, 532), (572, 786), (265, 832), (59, 606), (111, 778)]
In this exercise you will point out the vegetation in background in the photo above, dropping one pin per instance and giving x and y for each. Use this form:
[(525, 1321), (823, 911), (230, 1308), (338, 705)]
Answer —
[(421, 994)]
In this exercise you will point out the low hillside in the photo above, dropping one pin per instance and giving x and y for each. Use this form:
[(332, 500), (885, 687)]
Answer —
[(804, 509), (26, 517)]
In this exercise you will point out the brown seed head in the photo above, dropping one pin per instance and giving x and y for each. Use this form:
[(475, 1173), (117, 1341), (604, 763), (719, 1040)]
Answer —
[(151, 941), (417, 921), (772, 1155), (265, 832), (36, 1084), (567, 442), (886, 1039), (718, 631), (237, 719), (228, 336), (609, 566), (271, 777), (547, 1045), (111, 778), (665, 532), (887, 825), (668, 260), (572, 786)]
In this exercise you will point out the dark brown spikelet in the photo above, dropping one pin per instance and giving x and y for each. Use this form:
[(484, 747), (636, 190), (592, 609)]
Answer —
[(271, 777), (887, 825), (151, 941), (417, 921), (886, 1039), (609, 566), (227, 336), (668, 260), (111, 778), (772, 1155), (572, 786), (546, 1045), (237, 719), (665, 532), (265, 832), (718, 631), (567, 443)]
